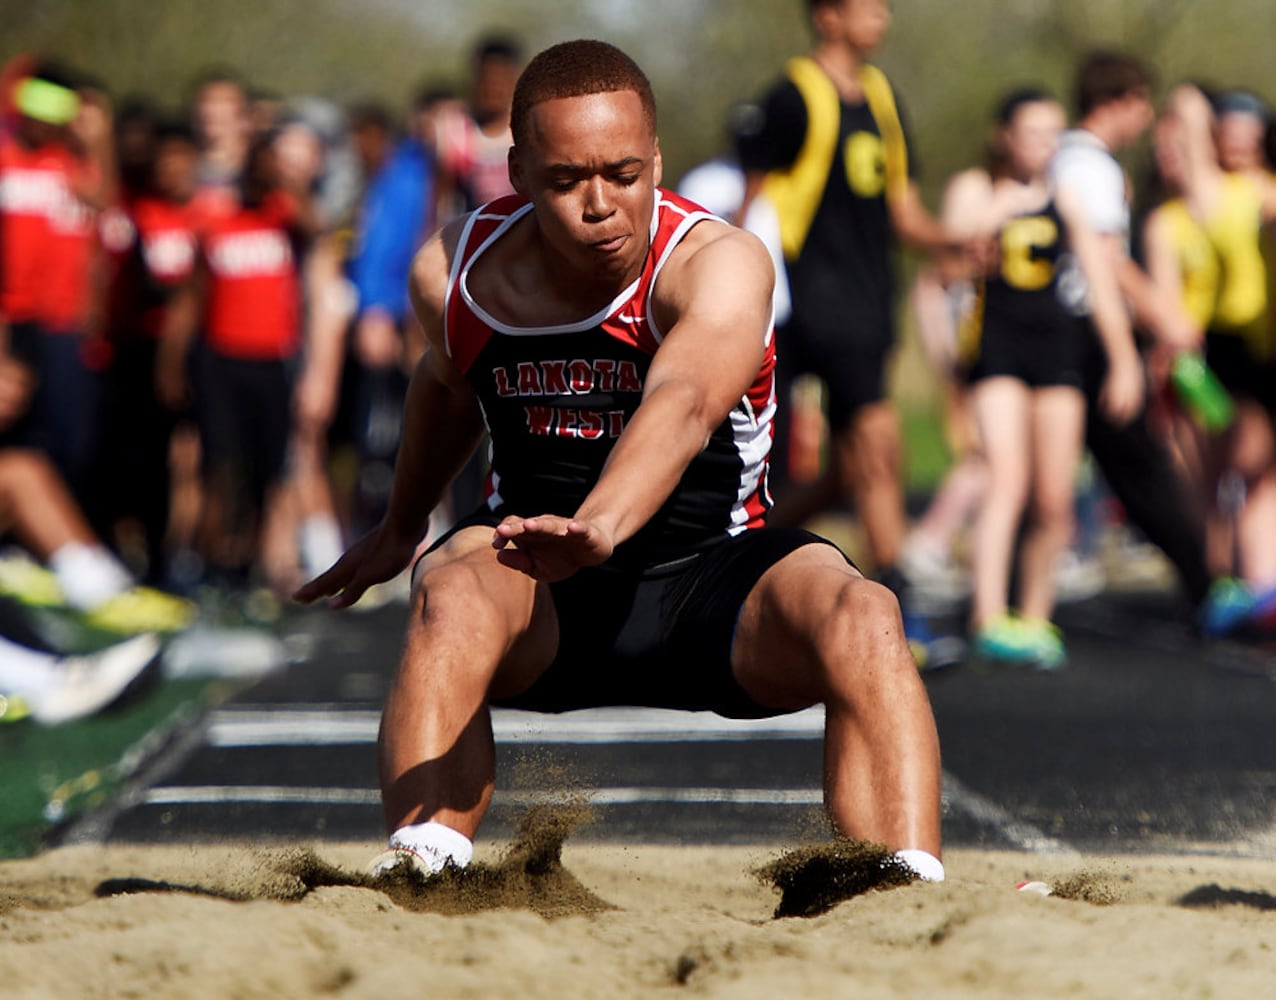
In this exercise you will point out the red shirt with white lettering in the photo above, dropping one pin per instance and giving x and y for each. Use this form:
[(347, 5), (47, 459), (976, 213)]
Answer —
[(152, 245), (47, 237), (252, 309)]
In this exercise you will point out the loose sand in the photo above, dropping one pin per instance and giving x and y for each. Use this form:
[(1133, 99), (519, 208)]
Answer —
[(617, 922)]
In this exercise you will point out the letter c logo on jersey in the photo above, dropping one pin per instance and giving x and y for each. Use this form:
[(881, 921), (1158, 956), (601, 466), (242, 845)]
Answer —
[(1019, 238), (865, 164)]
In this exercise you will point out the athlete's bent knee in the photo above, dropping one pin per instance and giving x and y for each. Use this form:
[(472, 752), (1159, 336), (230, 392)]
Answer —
[(862, 629), (454, 597)]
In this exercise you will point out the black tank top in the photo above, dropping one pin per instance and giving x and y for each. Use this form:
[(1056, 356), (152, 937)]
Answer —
[(555, 400)]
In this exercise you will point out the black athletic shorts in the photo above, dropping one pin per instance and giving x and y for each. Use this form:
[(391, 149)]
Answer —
[(659, 637), (1038, 362), (853, 370), (244, 410)]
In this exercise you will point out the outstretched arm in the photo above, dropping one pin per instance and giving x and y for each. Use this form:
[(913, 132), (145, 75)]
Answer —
[(714, 299), (441, 427)]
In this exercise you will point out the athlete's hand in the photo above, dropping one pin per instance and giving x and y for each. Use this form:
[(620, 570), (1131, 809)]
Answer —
[(376, 557), (1121, 396), (550, 548)]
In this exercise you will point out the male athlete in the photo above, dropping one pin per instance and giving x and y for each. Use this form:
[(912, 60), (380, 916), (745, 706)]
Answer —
[(614, 340), (828, 148)]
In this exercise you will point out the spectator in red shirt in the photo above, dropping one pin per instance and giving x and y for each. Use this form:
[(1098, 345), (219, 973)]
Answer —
[(151, 242), (245, 297), (56, 173)]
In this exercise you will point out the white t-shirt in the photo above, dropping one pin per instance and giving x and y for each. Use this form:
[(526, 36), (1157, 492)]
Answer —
[(1086, 169)]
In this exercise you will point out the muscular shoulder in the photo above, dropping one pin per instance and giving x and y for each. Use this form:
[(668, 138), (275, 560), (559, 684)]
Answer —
[(716, 266), (430, 270)]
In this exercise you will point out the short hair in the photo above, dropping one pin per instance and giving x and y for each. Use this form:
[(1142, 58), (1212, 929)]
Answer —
[(371, 114), (1241, 102), (1018, 98), (1109, 76), (502, 47), (175, 130), (576, 69)]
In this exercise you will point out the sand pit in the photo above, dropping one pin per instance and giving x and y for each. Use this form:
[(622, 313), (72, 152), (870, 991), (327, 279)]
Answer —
[(618, 922)]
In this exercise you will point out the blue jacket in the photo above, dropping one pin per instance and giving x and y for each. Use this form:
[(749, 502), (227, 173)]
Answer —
[(391, 228)]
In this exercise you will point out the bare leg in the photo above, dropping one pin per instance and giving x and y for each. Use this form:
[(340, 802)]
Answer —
[(1001, 412), (1058, 430), (814, 630), (867, 456), (477, 629), (37, 506)]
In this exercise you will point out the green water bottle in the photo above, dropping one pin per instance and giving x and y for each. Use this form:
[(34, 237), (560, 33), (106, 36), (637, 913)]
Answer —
[(1202, 393)]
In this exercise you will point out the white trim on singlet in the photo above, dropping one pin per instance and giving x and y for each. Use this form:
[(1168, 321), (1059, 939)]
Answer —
[(689, 219), (540, 331), (751, 433), (454, 273)]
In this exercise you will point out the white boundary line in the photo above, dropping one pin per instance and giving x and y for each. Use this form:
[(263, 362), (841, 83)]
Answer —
[(267, 726), (291, 795), (319, 727)]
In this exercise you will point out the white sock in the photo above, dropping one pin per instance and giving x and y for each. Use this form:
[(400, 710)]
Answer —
[(927, 867), (435, 844), (25, 672), (319, 538), (88, 574)]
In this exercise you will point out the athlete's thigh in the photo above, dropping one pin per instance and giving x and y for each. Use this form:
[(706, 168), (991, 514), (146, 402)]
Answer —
[(1001, 409), (774, 656), (1058, 436), (464, 565)]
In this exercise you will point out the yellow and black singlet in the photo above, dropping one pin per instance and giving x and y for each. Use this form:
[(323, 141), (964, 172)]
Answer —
[(1018, 326), (830, 165)]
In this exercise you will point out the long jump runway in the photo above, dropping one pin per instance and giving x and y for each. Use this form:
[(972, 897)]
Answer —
[(1149, 740)]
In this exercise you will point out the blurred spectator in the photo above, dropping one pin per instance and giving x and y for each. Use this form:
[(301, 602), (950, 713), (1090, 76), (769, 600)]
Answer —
[(392, 224), (56, 172), (245, 297), (1232, 204), (1023, 358), (1114, 100), (151, 243), (473, 146), (221, 117)]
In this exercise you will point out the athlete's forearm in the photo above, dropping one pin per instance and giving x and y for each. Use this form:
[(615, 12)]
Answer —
[(666, 432), (1153, 311), (916, 227)]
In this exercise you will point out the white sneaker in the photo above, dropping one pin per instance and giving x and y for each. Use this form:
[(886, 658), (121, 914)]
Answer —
[(404, 859), (934, 576), (1078, 577), (87, 684)]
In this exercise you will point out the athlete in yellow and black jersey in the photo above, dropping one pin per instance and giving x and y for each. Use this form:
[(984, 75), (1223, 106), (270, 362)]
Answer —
[(1018, 327), (829, 164)]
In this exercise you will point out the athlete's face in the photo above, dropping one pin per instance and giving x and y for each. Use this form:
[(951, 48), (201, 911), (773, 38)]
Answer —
[(176, 162), (1239, 137), (221, 113), (1135, 114), (590, 166), (860, 24), (1032, 137)]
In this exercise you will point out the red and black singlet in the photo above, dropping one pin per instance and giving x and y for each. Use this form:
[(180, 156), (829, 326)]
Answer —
[(555, 399)]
